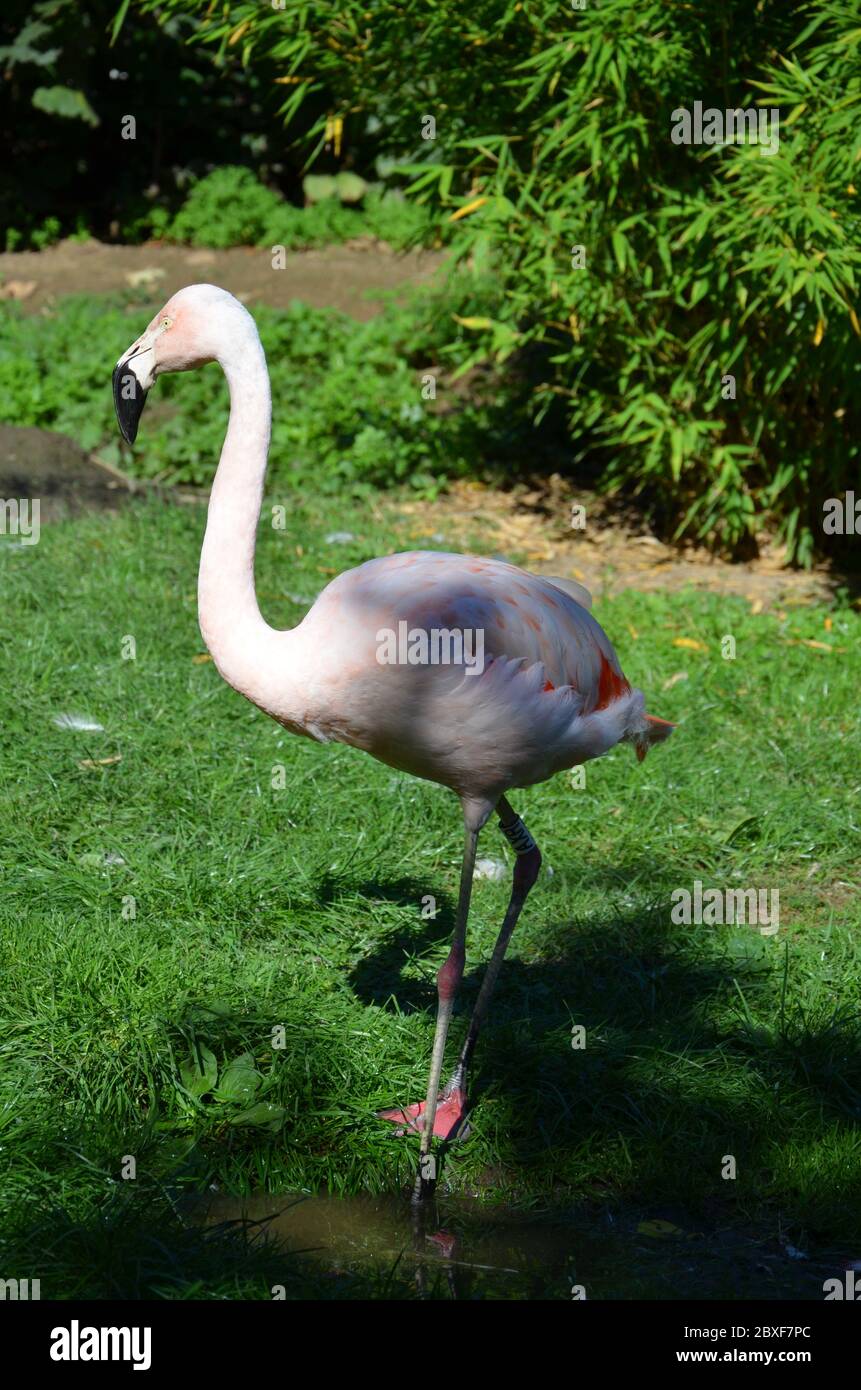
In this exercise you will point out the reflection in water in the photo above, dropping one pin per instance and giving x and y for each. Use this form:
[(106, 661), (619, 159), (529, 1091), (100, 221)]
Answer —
[(484, 1251)]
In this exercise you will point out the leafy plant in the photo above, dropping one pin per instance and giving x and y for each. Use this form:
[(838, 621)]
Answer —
[(66, 102), (645, 273), (26, 50), (230, 207), (231, 1092), (349, 410), (70, 78)]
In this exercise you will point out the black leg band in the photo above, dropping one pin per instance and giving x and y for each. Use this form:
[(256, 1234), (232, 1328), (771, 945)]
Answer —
[(518, 836)]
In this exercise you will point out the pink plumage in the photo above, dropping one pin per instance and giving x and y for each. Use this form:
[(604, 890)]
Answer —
[(551, 694)]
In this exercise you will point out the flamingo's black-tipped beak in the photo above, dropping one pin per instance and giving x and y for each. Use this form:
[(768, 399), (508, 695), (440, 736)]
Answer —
[(129, 400)]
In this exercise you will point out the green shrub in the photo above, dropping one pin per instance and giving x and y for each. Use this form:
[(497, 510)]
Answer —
[(553, 129), (229, 207), (37, 238)]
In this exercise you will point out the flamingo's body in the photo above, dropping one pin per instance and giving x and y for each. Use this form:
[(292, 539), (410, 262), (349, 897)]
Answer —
[(548, 693), (550, 696)]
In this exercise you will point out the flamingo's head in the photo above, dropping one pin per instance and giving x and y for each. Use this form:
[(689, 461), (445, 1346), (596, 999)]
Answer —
[(193, 328)]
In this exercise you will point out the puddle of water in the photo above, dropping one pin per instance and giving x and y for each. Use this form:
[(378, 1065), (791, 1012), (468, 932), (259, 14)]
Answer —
[(489, 1252), (465, 1249)]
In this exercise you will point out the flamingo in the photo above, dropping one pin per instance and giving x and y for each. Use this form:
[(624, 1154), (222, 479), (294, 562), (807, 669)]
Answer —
[(547, 694)]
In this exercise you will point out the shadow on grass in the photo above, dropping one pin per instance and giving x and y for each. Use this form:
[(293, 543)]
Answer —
[(696, 1049), (378, 978)]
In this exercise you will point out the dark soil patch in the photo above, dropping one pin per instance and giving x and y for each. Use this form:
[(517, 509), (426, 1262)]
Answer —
[(51, 467)]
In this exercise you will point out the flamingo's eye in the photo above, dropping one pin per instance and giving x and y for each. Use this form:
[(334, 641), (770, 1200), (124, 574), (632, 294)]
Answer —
[(165, 323)]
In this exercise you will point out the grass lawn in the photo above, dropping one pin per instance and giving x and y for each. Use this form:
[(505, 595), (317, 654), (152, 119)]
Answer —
[(191, 878)]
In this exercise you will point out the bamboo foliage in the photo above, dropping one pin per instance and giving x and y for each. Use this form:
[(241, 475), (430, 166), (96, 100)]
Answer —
[(699, 262)]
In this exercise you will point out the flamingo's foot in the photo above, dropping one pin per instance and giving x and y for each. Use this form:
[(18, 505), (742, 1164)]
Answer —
[(445, 1243), (449, 1121)]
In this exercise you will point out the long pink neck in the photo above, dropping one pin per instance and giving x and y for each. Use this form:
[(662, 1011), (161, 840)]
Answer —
[(230, 620)]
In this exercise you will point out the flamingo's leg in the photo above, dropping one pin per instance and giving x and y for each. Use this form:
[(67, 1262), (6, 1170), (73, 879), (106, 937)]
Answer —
[(444, 1113), (526, 867), (447, 982), (437, 1114)]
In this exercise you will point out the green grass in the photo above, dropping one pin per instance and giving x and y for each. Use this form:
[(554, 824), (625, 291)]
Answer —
[(256, 907)]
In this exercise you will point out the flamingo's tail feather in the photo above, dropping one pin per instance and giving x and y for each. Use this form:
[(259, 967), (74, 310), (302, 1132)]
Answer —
[(656, 731)]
